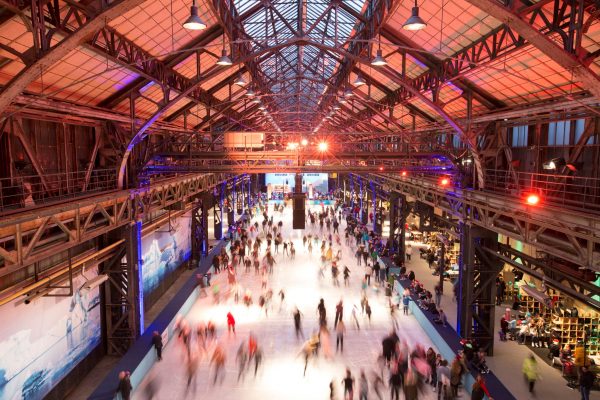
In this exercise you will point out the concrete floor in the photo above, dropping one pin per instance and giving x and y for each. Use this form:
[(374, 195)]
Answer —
[(281, 376), (508, 356)]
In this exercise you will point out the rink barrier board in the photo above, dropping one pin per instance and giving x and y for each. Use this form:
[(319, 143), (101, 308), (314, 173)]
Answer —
[(447, 341), (140, 358)]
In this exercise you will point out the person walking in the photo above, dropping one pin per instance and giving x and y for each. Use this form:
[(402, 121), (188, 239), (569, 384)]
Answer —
[(438, 295), (158, 344), (408, 252), (479, 390), (530, 371), (242, 359), (586, 381), (443, 379), (340, 330), (124, 388), (456, 372), (348, 383), (405, 301)]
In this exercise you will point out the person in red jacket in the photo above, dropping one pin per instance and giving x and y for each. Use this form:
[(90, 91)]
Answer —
[(230, 323)]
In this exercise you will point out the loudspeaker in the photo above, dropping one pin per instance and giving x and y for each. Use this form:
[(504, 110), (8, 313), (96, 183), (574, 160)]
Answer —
[(298, 214)]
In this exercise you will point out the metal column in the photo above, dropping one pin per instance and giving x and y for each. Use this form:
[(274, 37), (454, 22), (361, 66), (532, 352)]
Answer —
[(123, 292), (200, 226), (352, 204), (218, 210), (398, 212), (477, 289)]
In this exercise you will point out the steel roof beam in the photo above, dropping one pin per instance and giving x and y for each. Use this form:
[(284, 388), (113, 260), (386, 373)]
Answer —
[(571, 55), (170, 62), (83, 25)]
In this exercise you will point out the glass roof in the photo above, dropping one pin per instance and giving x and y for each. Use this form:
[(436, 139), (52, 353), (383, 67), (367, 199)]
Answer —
[(297, 75)]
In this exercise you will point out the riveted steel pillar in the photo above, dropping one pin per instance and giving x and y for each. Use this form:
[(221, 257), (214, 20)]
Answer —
[(200, 225), (476, 286)]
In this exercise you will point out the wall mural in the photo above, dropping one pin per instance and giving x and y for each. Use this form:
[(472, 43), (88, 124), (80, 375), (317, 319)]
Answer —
[(164, 250), (41, 342)]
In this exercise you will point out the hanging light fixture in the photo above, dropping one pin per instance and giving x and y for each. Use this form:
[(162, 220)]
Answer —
[(359, 81), (224, 60), (256, 100), (343, 100), (378, 60), (240, 81), (348, 93), (250, 93), (414, 23), (194, 22), (336, 107)]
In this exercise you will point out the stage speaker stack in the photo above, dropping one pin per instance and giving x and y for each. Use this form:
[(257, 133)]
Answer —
[(298, 205)]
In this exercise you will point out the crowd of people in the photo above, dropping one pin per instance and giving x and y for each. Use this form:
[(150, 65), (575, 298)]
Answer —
[(260, 247)]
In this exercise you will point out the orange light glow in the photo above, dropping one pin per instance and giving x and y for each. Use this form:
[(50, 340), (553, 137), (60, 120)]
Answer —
[(532, 199), (404, 173), (323, 146), (444, 182), (381, 168)]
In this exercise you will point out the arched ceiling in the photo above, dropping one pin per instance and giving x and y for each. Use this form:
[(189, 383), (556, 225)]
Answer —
[(300, 57)]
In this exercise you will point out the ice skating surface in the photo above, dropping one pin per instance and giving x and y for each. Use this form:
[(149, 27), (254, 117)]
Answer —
[(281, 373)]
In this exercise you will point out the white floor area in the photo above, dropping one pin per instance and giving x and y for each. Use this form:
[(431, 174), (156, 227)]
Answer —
[(281, 375)]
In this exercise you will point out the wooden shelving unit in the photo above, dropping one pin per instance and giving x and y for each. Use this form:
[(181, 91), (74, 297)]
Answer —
[(569, 330)]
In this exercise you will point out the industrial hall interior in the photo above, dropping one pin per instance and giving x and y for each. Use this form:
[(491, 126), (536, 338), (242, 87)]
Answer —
[(299, 199)]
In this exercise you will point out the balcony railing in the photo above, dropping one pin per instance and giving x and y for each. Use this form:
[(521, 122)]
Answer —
[(28, 191), (575, 192)]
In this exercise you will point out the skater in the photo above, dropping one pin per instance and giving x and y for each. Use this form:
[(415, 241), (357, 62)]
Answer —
[(348, 383), (297, 323), (339, 313), (368, 311), (364, 386), (346, 275), (218, 359), (340, 330), (354, 317), (230, 323), (322, 313)]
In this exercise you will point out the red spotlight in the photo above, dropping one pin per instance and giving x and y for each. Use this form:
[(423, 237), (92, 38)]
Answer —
[(444, 182), (532, 199), (381, 168), (404, 173)]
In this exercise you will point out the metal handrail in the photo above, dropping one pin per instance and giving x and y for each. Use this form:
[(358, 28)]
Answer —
[(28, 191), (578, 192)]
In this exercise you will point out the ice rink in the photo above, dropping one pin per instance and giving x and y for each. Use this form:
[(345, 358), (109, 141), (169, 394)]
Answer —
[(281, 373)]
